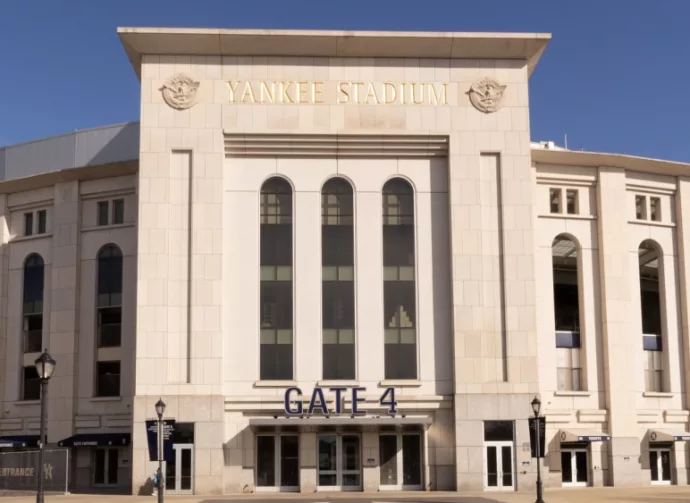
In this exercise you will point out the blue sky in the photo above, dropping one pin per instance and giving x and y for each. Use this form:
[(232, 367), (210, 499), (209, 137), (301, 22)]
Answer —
[(615, 78)]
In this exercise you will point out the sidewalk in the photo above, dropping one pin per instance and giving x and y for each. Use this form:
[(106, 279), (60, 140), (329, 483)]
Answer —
[(669, 494)]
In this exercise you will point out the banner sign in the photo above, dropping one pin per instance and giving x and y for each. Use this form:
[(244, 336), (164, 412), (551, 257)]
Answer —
[(152, 438), (293, 401), (19, 470), (540, 423)]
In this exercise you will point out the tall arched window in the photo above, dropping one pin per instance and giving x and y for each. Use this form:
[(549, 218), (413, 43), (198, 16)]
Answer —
[(564, 253), (109, 298), (276, 355), (338, 293), (399, 288), (33, 304), (650, 260)]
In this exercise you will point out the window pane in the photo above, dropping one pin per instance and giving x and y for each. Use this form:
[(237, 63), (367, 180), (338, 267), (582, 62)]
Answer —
[(99, 466), (33, 333), (265, 461), (112, 466), (641, 207), (118, 211), (276, 361), (289, 461), (28, 224), (109, 276), (388, 459), (571, 201), (555, 200), (42, 221), (338, 361), (33, 284), (412, 460), (400, 361), (103, 212), (338, 304), (31, 384), (108, 379), (109, 327)]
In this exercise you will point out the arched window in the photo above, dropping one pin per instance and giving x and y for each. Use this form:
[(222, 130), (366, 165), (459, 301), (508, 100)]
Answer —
[(651, 263), (338, 293), (564, 254), (109, 298), (33, 303), (276, 354), (399, 288)]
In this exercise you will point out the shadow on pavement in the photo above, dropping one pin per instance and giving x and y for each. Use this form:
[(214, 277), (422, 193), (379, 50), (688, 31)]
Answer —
[(382, 499)]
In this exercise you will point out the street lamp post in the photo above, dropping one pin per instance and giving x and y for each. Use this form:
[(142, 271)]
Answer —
[(160, 410), (536, 407), (44, 367)]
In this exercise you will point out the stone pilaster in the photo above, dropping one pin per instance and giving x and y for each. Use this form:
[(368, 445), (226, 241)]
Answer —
[(64, 314), (619, 338)]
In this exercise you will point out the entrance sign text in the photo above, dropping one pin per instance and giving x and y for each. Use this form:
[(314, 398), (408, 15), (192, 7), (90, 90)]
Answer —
[(294, 407), (311, 92)]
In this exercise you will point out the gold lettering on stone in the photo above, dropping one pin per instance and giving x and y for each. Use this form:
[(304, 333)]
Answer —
[(265, 92), (248, 91), (346, 92), (343, 94)]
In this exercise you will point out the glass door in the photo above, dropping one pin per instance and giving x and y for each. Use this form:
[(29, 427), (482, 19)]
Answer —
[(340, 463), (277, 462), (400, 458), (574, 467), (498, 466), (660, 465), (179, 471)]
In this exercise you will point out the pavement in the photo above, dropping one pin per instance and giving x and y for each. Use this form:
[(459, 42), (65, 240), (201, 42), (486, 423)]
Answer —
[(668, 494)]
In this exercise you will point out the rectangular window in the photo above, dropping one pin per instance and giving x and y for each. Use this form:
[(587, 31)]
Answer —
[(655, 209), (569, 370), (33, 333), (641, 207), (103, 212), (118, 211), (108, 379), (109, 327), (31, 385), (42, 221), (105, 466), (654, 371), (555, 200), (28, 224), (572, 202)]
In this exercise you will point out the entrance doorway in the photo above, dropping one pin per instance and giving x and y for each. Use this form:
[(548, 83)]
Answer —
[(574, 467), (400, 458), (277, 462), (340, 462), (660, 465), (179, 471), (499, 456)]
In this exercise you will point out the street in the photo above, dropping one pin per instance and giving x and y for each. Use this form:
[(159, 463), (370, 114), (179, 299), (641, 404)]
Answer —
[(670, 494)]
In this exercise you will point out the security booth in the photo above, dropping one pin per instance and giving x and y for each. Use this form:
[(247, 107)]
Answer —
[(666, 456), (100, 462), (581, 457)]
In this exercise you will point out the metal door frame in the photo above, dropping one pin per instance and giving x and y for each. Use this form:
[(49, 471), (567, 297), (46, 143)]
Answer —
[(499, 465)]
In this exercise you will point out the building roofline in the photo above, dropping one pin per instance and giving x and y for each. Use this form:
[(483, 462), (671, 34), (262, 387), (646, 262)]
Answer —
[(338, 43), (542, 155), (74, 132)]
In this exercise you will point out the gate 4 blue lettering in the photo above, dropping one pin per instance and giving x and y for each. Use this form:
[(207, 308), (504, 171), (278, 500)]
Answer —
[(294, 401)]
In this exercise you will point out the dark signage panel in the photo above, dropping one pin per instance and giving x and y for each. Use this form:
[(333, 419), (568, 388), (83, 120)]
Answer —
[(539, 423), (19, 471), (152, 438)]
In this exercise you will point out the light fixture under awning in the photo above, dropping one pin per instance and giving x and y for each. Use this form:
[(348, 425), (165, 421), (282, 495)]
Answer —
[(340, 421), (668, 436), (582, 436)]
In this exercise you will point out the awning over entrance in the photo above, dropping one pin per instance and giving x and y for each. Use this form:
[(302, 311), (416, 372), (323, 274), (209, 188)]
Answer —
[(96, 440), (668, 436), (346, 421), (582, 436), (19, 441)]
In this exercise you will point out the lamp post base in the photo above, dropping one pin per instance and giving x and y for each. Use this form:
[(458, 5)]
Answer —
[(539, 493)]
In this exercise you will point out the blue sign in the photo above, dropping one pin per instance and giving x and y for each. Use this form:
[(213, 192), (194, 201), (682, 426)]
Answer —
[(152, 438), (294, 407)]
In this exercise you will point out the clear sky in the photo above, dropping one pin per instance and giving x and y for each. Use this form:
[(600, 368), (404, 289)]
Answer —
[(615, 77)]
